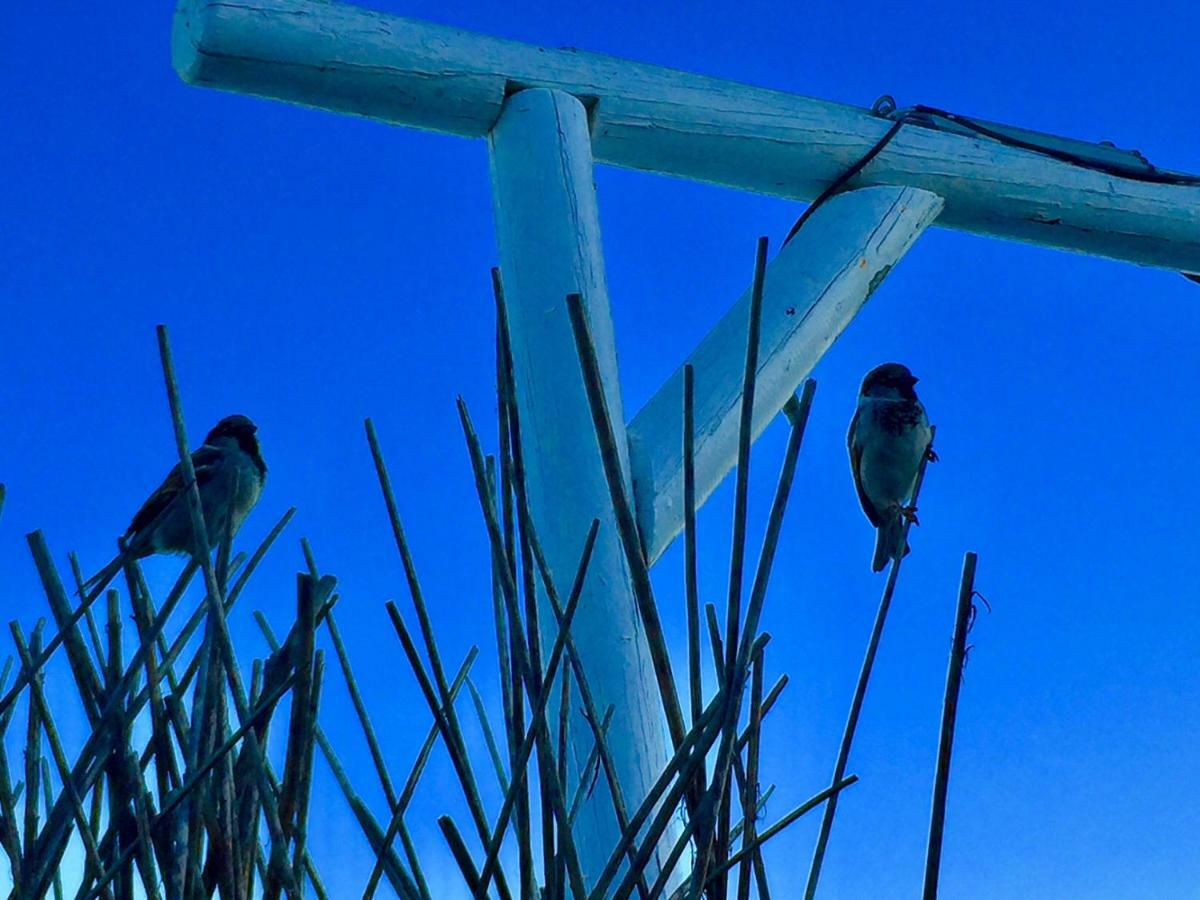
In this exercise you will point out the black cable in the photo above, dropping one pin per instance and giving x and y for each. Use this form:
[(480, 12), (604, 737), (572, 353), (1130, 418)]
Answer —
[(841, 180), (1154, 176)]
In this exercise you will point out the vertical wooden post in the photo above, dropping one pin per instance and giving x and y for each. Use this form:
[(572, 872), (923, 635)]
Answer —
[(548, 230)]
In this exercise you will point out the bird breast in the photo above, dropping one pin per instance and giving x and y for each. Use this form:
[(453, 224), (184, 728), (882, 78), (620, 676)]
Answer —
[(231, 494), (893, 436)]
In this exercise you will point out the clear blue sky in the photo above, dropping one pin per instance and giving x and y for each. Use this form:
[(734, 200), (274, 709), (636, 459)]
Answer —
[(315, 269)]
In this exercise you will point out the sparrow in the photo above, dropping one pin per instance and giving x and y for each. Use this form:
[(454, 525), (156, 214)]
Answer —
[(230, 473), (889, 438)]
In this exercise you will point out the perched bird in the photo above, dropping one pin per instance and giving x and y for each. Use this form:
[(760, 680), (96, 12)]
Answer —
[(229, 473), (889, 438)]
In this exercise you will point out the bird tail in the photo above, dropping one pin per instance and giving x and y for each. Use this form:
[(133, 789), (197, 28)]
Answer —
[(889, 542)]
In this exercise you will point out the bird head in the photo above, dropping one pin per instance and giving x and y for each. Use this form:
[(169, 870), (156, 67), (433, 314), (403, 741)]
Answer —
[(889, 380), (237, 430), (232, 427)]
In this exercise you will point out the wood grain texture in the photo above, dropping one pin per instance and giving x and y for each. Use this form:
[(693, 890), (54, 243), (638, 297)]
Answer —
[(407, 72)]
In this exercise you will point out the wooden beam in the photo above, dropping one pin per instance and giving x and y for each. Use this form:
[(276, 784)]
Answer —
[(548, 229), (407, 72), (813, 288)]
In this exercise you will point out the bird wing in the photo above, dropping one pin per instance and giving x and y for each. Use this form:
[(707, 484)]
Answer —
[(205, 461), (855, 463)]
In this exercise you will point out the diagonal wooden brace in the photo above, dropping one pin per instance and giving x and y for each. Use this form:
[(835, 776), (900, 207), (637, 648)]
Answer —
[(813, 288)]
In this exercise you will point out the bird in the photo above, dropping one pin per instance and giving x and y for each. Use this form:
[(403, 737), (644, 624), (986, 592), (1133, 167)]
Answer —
[(889, 438), (230, 473)]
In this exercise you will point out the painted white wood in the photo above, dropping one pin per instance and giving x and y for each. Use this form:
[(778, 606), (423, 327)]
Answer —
[(403, 71), (813, 288), (548, 229)]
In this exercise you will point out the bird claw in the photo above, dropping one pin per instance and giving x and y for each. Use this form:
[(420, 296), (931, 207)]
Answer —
[(909, 514)]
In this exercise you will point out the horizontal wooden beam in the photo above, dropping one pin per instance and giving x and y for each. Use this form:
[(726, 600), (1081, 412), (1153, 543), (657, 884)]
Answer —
[(813, 288), (407, 72)]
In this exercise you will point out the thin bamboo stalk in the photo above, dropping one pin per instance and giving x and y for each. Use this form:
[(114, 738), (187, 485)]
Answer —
[(500, 620), (516, 461), (191, 491), (390, 865), (454, 744), (750, 790), (308, 737), (712, 799), (10, 837), (856, 702), (244, 730), (299, 724), (414, 863), (807, 806), (759, 808), (124, 786), (48, 800), (257, 557), (165, 764), (52, 840), (626, 521), (397, 876), (489, 738), (768, 703), (360, 709), (520, 656), (142, 805), (585, 693), (718, 656), (33, 753), (42, 658), (678, 770), (514, 490), (690, 580), (86, 679), (113, 666), (941, 781), (505, 571), (89, 618), (679, 785), (225, 868), (418, 766), (222, 640), (190, 820), (175, 650), (461, 855), (564, 733), (64, 629), (505, 390), (453, 732), (733, 615), (538, 725), (718, 839), (672, 860), (414, 776), (591, 768), (45, 722)]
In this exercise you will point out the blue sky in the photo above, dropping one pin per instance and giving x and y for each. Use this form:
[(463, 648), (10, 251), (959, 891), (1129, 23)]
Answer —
[(315, 269)]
